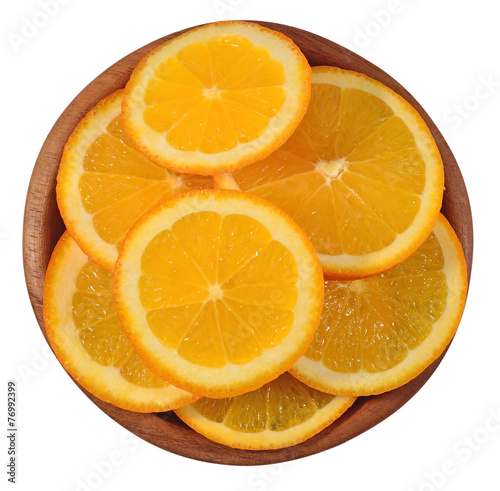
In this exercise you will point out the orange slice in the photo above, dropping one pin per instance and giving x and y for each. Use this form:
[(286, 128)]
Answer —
[(217, 97), (361, 175), (105, 184), (218, 291), (282, 413), (378, 333), (87, 338)]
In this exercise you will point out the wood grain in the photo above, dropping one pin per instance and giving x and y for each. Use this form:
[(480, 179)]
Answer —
[(43, 227)]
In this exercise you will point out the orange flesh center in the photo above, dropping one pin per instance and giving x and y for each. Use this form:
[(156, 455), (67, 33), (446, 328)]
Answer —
[(373, 323), (119, 184), (100, 331), (279, 405), (350, 170), (218, 289), (215, 94)]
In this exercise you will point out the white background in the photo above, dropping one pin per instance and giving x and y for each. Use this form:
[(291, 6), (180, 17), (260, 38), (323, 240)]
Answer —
[(447, 56)]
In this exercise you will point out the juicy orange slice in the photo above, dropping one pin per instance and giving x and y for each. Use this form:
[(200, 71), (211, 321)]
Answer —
[(378, 333), (218, 291), (87, 338), (361, 175), (105, 184), (217, 97), (282, 413)]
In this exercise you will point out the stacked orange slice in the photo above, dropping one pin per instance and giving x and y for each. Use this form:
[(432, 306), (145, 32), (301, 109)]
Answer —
[(378, 333), (86, 335), (361, 175), (105, 184), (218, 291), (217, 97)]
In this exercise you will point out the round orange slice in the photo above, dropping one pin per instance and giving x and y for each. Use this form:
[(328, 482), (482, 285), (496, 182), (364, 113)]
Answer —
[(218, 291), (378, 333), (105, 184), (280, 414), (217, 98), (87, 338), (361, 175)]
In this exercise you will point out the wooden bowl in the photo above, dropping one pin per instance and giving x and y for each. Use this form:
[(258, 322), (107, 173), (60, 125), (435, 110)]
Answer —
[(43, 227)]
